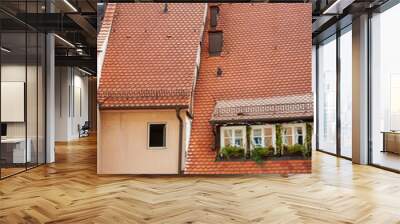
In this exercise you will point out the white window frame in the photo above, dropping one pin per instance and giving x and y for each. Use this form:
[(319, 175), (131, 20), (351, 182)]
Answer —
[(294, 133), (148, 135), (262, 134), (233, 128)]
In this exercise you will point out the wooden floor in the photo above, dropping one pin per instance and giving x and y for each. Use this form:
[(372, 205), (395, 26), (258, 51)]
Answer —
[(387, 159), (69, 191), (5, 172)]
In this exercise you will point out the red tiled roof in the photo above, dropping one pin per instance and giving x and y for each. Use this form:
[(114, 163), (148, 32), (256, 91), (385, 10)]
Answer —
[(269, 109), (266, 53), (151, 51)]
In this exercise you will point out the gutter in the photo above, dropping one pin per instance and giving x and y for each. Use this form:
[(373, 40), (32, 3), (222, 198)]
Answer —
[(142, 107), (178, 110), (190, 115)]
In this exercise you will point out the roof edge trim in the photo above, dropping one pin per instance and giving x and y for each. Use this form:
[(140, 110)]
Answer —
[(144, 107)]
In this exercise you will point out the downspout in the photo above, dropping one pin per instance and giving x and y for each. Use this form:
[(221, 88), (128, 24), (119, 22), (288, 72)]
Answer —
[(178, 110)]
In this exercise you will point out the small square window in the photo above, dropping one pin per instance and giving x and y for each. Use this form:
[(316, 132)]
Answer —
[(157, 135)]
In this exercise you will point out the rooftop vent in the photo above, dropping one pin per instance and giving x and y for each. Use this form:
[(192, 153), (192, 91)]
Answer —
[(214, 11), (219, 72), (165, 8), (215, 42)]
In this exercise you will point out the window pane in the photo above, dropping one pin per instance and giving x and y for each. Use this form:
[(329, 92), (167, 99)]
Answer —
[(157, 135), (385, 88), (257, 132), (267, 131), (227, 133), (395, 90), (300, 140), (239, 142), (257, 141), (289, 141), (228, 141), (327, 95), (287, 131), (268, 141), (285, 140), (238, 133), (346, 93)]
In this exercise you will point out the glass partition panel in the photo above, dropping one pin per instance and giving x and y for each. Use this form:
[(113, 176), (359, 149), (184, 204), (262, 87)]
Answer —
[(385, 89), (31, 98), (346, 92), (41, 98), (13, 94), (22, 77), (327, 95)]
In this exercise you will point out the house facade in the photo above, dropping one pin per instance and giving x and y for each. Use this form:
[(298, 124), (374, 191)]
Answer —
[(205, 89), (146, 87)]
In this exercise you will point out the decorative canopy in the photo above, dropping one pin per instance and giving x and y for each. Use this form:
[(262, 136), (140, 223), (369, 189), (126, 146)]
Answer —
[(272, 109)]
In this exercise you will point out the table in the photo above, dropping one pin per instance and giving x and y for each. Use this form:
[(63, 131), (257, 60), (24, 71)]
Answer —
[(391, 141), (13, 150)]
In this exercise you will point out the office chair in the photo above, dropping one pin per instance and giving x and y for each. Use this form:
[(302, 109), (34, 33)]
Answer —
[(84, 130)]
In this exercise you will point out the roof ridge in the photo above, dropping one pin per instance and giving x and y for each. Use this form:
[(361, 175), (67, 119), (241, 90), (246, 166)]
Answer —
[(106, 26)]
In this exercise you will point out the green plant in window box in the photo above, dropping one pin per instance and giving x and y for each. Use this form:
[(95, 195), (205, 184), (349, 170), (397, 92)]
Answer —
[(232, 152), (259, 154), (271, 151), (308, 143), (278, 139), (296, 150), (284, 150), (248, 139)]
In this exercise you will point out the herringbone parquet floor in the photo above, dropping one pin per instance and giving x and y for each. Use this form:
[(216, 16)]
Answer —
[(69, 191)]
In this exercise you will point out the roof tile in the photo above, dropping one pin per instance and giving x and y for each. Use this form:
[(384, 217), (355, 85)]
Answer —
[(151, 51), (266, 53)]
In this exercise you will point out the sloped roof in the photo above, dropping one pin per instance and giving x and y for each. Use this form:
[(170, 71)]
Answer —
[(266, 53), (270, 109), (151, 55)]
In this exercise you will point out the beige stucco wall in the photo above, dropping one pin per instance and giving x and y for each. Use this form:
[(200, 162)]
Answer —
[(122, 146)]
